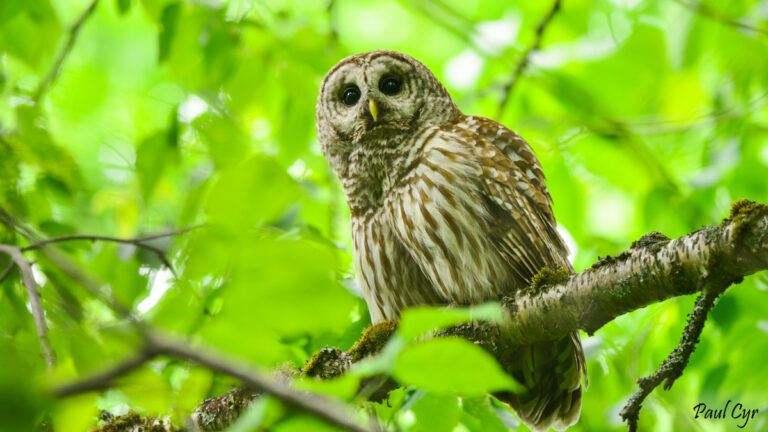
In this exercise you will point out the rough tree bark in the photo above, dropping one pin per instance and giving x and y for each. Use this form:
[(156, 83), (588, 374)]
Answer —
[(653, 269)]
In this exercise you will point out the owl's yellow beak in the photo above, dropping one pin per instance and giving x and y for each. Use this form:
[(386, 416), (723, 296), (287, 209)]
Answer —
[(373, 109)]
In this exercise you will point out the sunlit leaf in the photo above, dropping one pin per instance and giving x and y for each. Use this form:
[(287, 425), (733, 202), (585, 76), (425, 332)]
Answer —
[(451, 365)]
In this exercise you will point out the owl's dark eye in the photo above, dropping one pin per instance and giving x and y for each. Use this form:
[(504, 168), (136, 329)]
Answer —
[(351, 95), (390, 86)]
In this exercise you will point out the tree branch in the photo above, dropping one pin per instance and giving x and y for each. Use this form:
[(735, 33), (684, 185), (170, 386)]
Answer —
[(138, 242), (709, 12), (673, 366), (50, 77), (520, 68), (34, 302), (104, 379), (320, 406), (654, 269)]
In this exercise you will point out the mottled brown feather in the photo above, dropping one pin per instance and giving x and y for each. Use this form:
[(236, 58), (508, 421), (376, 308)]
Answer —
[(446, 208)]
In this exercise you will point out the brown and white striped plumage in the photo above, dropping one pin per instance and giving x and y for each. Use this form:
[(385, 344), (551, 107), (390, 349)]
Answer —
[(446, 208)]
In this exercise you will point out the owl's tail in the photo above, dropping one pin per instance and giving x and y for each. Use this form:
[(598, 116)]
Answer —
[(551, 374)]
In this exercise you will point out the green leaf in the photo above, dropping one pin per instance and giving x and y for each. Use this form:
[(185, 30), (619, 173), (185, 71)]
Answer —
[(290, 285), (123, 6), (252, 418), (22, 402), (10, 8), (168, 22), (726, 311), (382, 363), (479, 415), (226, 143), (343, 387), (28, 18), (451, 365), (714, 379), (251, 193), (153, 154), (302, 423), (436, 412)]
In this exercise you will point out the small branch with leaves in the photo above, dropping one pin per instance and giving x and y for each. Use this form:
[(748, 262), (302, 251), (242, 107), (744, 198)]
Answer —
[(517, 72), (335, 413), (141, 242)]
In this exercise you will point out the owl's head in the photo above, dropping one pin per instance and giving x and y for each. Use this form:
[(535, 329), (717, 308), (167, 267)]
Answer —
[(371, 99)]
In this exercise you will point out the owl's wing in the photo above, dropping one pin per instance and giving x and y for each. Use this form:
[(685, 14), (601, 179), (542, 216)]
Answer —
[(497, 171), (514, 183), (478, 226), (514, 147), (473, 221)]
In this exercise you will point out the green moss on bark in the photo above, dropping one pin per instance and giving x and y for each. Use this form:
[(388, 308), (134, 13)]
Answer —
[(216, 414), (546, 278), (326, 363), (372, 341), (654, 240), (743, 214), (132, 421)]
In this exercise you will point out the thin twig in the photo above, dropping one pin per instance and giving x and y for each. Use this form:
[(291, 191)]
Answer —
[(320, 406), (520, 68), (103, 380), (34, 303), (45, 84), (72, 270), (673, 366), (703, 9), (139, 242)]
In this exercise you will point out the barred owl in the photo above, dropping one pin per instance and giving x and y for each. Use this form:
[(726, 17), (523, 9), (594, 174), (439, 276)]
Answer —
[(446, 208)]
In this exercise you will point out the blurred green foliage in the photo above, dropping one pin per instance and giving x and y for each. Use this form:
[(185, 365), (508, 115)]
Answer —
[(646, 115)]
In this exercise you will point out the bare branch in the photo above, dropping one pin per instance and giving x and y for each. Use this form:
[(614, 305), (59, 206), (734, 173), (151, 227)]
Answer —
[(520, 68), (34, 302), (138, 242), (322, 407), (673, 366), (49, 78), (103, 380)]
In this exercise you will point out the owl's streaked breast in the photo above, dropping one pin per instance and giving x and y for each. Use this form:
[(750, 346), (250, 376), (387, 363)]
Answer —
[(388, 276), (436, 211)]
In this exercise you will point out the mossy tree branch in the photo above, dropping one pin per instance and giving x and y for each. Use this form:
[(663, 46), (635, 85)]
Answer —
[(653, 269)]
